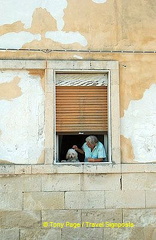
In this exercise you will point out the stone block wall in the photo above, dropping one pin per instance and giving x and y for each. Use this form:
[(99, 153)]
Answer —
[(77, 205)]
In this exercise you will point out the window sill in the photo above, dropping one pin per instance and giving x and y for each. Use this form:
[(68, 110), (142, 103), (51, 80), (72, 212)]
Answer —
[(86, 168), (69, 168)]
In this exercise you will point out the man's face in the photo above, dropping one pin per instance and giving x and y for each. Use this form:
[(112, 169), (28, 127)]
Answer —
[(90, 145)]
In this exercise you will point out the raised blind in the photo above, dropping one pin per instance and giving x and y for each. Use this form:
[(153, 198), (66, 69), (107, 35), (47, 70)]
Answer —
[(81, 109)]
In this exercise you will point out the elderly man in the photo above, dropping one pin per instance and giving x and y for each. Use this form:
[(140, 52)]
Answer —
[(93, 149)]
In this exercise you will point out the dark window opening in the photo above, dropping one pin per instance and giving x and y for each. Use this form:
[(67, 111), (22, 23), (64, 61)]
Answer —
[(66, 142)]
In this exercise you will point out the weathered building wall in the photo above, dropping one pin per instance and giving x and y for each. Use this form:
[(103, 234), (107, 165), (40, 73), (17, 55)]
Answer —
[(22, 117), (33, 194), (32, 197)]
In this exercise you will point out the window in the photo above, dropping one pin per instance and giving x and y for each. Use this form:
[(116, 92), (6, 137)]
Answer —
[(81, 109), (84, 98)]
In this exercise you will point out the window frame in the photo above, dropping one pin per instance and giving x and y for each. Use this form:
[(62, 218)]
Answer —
[(108, 104), (112, 69)]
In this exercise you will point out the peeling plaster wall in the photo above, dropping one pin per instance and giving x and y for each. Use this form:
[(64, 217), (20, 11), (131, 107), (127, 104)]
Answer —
[(66, 38), (85, 25), (9, 40), (139, 125), (14, 11), (138, 113), (22, 118), (89, 24)]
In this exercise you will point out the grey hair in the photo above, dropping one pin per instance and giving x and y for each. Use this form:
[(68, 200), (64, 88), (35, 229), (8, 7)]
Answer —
[(92, 139)]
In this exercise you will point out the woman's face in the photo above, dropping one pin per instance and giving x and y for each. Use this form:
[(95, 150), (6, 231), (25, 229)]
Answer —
[(90, 145)]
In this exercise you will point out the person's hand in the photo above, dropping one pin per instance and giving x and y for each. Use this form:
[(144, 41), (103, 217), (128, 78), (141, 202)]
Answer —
[(75, 147), (79, 150)]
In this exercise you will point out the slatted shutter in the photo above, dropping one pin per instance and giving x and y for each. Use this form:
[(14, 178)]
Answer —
[(81, 109)]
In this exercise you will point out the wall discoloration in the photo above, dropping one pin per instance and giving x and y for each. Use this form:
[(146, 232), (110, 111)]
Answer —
[(136, 77), (9, 40), (41, 159), (22, 120), (138, 24), (127, 154), (42, 21), (46, 43), (10, 90), (97, 23), (94, 24), (138, 124), (77, 56), (5, 162), (67, 37), (99, 1), (41, 74), (14, 27), (15, 10)]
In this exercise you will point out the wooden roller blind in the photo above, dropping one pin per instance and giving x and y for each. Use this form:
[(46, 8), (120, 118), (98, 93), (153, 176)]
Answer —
[(81, 109)]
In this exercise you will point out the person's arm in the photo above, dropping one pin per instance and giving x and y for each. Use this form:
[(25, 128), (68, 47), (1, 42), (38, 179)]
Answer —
[(78, 149), (95, 159)]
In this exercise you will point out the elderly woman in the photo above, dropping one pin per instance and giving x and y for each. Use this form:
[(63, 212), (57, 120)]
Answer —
[(93, 149)]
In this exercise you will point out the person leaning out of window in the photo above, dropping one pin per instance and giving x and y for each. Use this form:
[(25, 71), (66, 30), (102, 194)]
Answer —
[(93, 149)]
